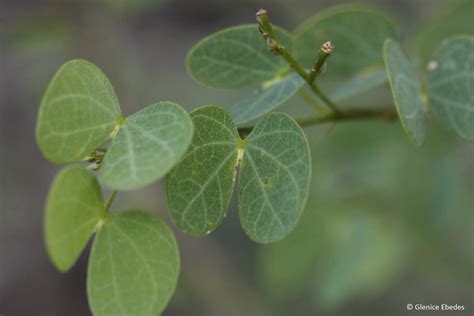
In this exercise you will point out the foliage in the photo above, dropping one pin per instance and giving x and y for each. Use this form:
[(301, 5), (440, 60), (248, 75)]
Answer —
[(406, 91), (455, 18), (133, 266), (201, 154), (147, 146), (276, 93), (73, 210), (274, 176), (450, 87), (235, 57), (346, 26), (78, 112)]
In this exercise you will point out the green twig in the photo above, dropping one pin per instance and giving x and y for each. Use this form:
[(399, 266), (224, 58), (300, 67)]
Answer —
[(319, 65), (266, 28), (349, 115), (276, 48)]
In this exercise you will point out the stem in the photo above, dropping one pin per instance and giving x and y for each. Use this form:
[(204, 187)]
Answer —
[(324, 53), (348, 115), (110, 200), (293, 63), (265, 26), (276, 48), (312, 84)]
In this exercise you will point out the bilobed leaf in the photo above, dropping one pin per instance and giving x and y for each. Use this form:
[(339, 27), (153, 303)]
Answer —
[(454, 18), (77, 114), (199, 188), (451, 85), (133, 266), (358, 33), (236, 57), (147, 146), (73, 209), (274, 178), (406, 91), (266, 99)]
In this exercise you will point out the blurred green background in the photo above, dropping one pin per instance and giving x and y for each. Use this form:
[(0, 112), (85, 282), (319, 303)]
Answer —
[(386, 224)]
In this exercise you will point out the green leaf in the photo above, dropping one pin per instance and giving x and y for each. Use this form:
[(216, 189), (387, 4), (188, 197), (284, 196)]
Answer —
[(450, 85), (361, 83), (406, 91), (274, 178), (73, 209), (77, 114), (267, 99), (147, 146), (199, 188), (133, 267), (454, 18), (357, 31), (236, 57)]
